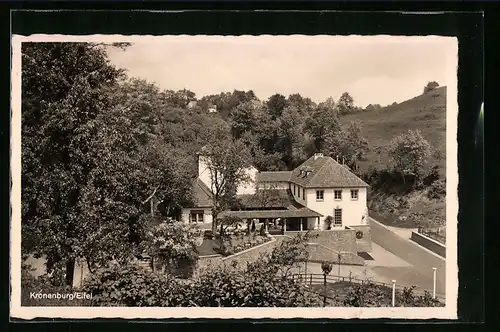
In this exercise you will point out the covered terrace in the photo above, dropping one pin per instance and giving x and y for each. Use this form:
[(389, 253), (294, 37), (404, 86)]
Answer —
[(279, 221)]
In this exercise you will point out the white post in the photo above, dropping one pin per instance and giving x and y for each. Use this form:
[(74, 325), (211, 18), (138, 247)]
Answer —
[(434, 283), (301, 225), (394, 293), (284, 224), (266, 230)]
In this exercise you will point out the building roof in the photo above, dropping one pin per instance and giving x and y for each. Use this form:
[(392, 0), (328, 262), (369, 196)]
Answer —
[(202, 194), (283, 176), (261, 214), (324, 172), (278, 198)]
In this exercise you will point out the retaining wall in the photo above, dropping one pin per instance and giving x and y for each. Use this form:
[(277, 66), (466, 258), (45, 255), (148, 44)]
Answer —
[(429, 243), (365, 243), (335, 239), (319, 253)]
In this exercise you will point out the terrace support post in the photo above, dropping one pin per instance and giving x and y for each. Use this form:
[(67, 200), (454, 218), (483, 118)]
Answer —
[(301, 224), (266, 230), (318, 227), (284, 224)]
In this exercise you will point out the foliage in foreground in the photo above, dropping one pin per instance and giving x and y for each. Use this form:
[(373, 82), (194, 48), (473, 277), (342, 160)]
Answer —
[(134, 286), (264, 282), (173, 242), (42, 291)]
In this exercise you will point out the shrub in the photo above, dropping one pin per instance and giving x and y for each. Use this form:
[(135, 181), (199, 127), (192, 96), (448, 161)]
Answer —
[(437, 189), (432, 176), (368, 295), (133, 286), (40, 291), (255, 286), (408, 298)]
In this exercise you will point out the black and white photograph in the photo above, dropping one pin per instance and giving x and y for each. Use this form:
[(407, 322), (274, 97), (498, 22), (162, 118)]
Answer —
[(266, 176)]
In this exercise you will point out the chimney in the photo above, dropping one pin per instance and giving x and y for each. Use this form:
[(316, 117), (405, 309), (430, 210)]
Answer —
[(317, 155)]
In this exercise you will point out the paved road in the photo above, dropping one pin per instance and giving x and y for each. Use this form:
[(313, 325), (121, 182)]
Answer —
[(420, 273)]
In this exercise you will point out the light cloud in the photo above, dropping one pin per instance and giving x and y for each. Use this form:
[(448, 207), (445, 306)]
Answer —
[(373, 69)]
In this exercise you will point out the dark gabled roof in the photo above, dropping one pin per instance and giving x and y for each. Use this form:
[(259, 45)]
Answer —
[(299, 213), (279, 198), (202, 194), (324, 172), (283, 176)]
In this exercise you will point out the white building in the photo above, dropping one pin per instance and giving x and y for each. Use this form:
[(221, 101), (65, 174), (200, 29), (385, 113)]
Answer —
[(321, 194)]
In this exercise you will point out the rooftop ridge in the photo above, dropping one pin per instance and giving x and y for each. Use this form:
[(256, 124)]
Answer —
[(319, 170)]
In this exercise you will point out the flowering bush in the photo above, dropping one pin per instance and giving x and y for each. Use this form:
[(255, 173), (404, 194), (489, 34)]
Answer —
[(174, 241)]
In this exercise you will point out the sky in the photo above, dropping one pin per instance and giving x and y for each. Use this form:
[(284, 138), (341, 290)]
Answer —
[(373, 69)]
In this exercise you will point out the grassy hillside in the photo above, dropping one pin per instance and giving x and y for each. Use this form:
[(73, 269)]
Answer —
[(426, 113)]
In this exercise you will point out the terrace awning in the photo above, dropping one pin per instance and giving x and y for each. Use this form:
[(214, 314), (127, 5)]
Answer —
[(272, 214)]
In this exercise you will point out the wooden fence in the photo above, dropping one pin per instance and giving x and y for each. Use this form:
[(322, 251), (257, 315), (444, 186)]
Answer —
[(315, 279)]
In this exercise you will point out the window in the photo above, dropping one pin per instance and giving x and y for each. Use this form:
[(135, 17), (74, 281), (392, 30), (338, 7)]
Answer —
[(319, 195), (354, 194), (338, 195), (294, 190), (303, 193), (337, 217), (196, 216), (299, 192)]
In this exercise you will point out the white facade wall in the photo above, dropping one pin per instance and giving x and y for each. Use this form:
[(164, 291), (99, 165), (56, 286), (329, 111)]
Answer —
[(207, 214), (244, 189), (248, 188), (298, 194), (352, 210)]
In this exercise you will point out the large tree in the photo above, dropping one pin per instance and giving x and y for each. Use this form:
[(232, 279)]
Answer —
[(290, 138), (347, 144), (431, 86), (63, 93), (322, 123), (345, 104), (226, 160), (409, 154), (276, 104), (94, 157)]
